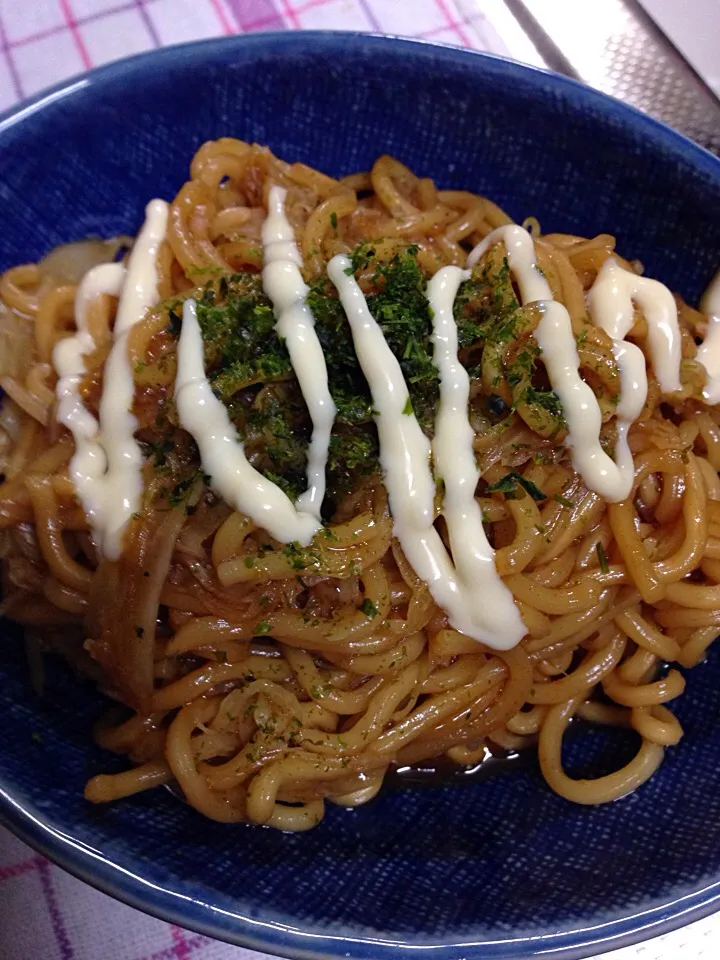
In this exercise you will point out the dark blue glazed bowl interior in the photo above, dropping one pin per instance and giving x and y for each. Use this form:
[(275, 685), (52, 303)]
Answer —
[(496, 869)]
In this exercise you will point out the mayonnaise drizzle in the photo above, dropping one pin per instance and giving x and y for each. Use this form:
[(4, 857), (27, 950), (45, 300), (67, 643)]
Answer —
[(106, 468), (498, 621), (106, 465), (206, 419), (405, 462), (554, 336), (612, 300), (284, 285), (708, 353), (612, 310), (611, 479)]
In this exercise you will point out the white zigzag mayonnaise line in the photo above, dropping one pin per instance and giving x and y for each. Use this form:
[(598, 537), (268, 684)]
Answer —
[(405, 462), (497, 619), (555, 337), (284, 285), (106, 468), (709, 352), (223, 458)]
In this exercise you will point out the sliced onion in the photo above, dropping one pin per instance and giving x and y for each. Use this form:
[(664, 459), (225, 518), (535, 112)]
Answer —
[(69, 262)]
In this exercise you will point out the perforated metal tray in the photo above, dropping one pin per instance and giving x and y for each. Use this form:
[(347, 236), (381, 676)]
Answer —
[(615, 46)]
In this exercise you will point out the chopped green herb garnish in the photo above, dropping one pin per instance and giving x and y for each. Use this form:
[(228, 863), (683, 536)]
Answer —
[(174, 322), (368, 608), (161, 451), (486, 308), (510, 483), (333, 220), (181, 491), (300, 558), (249, 370), (602, 557), (261, 628)]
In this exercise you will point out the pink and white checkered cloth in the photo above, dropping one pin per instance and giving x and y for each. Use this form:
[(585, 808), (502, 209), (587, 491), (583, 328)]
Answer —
[(44, 913), (44, 41)]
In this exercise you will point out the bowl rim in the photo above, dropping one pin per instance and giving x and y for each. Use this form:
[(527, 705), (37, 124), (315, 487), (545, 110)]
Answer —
[(277, 935)]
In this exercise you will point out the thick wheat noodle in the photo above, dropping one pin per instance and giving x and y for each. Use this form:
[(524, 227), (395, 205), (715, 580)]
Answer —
[(462, 671), (52, 306), (228, 221), (604, 714), (406, 650), (379, 710), (527, 541), (36, 384), (632, 550), (49, 532), (647, 635), (320, 223), (571, 290), (560, 663), (121, 737), (25, 399), (603, 789), (553, 600), (712, 481), (583, 678), (64, 597), (484, 714), (332, 561), (638, 666), (266, 689), (644, 695), (528, 722), (554, 573), (656, 724), (104, 788), (204, 678), (14, 285), (223, 806), (585, 515), (695, 647)]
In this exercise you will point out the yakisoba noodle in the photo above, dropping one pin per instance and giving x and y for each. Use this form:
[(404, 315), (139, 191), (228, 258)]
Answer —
[(264, 675)]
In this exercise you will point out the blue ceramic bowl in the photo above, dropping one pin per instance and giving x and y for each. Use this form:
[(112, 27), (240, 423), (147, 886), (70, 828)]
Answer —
[(491, 870)]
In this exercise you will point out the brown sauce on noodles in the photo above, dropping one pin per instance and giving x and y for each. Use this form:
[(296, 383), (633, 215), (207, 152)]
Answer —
[(284, 677)]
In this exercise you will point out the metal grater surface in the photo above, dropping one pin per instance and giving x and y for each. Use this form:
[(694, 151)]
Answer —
[(614, 46)]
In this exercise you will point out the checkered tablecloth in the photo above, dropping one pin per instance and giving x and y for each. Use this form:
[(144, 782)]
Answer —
[(44, 41), (44, 913)]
